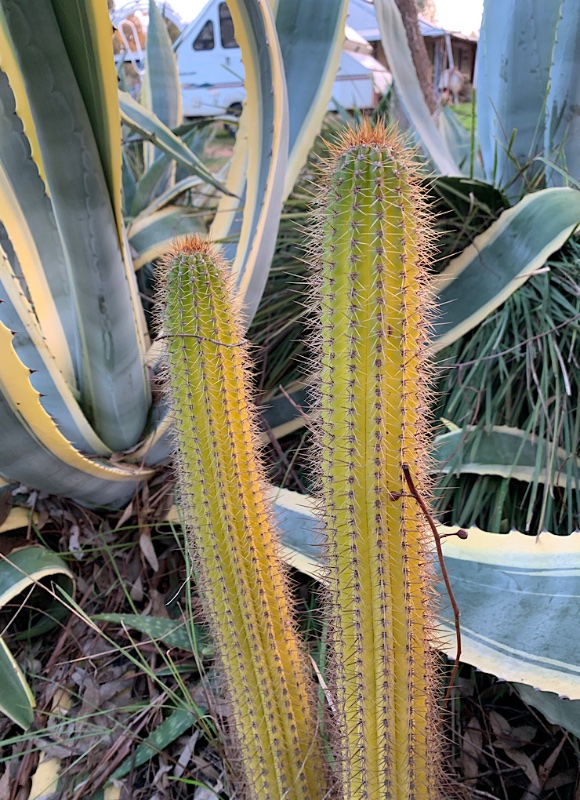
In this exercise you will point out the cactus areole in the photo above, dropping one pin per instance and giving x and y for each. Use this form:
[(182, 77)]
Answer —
[(372, 239)]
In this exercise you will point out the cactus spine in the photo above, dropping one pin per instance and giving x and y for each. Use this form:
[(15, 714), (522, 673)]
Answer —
[(231, 533), (370, 247)]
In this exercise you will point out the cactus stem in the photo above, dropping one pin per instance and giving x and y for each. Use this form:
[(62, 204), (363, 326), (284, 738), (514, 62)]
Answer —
[(231, 532), (372, 240)]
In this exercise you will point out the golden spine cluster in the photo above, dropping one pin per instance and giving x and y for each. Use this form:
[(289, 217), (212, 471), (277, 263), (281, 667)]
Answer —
[(231, 533)]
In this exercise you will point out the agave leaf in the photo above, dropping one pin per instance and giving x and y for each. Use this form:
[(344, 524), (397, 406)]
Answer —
[(31, 347), (21, 570), (557, 710), (151, 183), (514, 57), (173, 632), (247, 227), (35, 452), (29, 233), (152, 235), (24, 250), (562, 131), (310, 42), (499, 450), (408, 90), (160, 89), (9, 65), (311, 39), (17, 517), (460, 143), (146, 124), (111, 379), (502, 585), (501, 259), (171, 194), (17, 700), (129, 184), (85, 28), (179, 721)]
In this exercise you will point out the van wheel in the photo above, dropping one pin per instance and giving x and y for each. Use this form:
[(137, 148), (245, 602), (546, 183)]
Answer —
[(233, 111)]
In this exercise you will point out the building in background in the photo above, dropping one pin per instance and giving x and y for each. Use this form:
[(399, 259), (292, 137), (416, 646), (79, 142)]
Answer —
[(448, 51)]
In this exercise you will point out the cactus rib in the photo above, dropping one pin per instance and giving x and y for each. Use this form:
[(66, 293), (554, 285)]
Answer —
[(372, 238), (231, 531)]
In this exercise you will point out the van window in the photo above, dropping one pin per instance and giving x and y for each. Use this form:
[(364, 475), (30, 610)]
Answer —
[(204, 40), (226, 27)]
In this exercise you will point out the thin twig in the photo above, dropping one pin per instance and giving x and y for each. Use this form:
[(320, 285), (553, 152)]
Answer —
[(308, 423), (456, 612), (199, 338)]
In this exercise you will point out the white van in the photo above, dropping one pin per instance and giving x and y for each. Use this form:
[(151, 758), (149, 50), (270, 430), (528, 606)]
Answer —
[(212, 74)]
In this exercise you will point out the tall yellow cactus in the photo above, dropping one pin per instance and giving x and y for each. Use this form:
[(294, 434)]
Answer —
[(231, 532), (372, 240)]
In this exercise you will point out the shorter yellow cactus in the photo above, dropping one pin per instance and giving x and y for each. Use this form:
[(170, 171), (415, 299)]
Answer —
[(231, 533)]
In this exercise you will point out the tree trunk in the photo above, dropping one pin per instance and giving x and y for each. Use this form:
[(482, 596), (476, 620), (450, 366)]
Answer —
[(408, 12)]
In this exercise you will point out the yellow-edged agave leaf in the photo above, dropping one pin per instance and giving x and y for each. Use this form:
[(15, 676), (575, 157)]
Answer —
[(519, 600), (151, 235), (85, 27), (170, 195), (246, 223), (21, 570), (160, 88), (459, 141), (31, 252), (17, 517), (30, 345), (147, 125), (160, 444), (500, 450), (504, 585), (501, 259), (36, 453), (408, 90), (9, 65), (311, 38), (111, 379), (16, 700)]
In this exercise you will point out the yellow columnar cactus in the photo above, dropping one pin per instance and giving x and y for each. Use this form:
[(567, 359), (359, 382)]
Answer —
[(372, 239), (231, 533)]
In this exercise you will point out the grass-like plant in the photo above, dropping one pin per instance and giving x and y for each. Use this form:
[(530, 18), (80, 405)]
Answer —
[(231, 532), (371, 246)]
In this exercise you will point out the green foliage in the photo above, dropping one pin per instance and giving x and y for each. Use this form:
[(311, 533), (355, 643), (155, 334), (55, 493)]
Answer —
[(518, 368)]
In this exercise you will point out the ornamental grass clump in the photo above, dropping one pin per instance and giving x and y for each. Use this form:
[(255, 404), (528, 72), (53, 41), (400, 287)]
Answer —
[(371, 244), (229, 520)]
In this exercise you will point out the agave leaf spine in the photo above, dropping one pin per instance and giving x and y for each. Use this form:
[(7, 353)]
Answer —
[(231, 532)]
